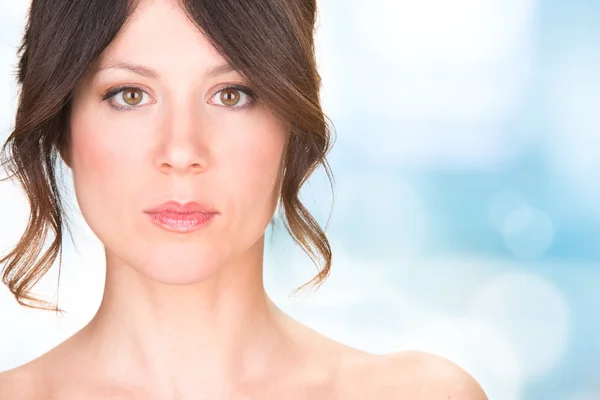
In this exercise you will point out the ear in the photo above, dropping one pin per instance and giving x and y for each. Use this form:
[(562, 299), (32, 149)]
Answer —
[(65, 153)]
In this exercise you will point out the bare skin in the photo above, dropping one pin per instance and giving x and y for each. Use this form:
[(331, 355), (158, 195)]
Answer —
[(314, 367), (185, 316)]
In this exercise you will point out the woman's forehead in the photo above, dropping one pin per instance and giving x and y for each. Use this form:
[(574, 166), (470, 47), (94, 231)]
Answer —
[(157, 25), (179, 46)]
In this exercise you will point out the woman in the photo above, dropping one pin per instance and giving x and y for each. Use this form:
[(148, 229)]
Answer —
[(185, 124)]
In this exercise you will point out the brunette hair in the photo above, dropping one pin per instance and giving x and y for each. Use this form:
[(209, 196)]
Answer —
[(269, 42)]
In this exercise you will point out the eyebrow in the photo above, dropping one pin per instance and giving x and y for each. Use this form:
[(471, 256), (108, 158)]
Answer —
[(152, 73)]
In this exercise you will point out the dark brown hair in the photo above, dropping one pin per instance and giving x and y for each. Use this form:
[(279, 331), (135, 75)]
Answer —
[(269, 42)]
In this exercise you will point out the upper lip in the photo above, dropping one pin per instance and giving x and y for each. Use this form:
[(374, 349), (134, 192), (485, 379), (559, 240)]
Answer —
[(176, 207)]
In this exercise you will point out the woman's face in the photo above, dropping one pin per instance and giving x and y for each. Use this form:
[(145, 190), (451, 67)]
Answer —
[(174, 134)]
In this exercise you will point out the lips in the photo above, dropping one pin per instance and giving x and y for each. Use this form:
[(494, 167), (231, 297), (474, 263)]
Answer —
[(178, 208), (175, 217)]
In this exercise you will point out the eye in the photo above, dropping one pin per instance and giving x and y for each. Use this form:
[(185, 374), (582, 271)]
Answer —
[(126, 97), (234, 97)]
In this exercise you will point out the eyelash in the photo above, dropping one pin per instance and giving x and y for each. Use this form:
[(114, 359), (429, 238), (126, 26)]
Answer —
[(116, 90)]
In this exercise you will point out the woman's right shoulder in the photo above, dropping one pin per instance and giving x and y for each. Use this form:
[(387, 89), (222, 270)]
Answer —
[(20, 383)]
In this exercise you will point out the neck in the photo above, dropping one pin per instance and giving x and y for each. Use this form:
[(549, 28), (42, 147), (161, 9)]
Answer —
[(219, 333)]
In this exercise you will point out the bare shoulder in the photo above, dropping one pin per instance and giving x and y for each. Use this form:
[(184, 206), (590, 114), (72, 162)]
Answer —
[(19, 383), (426, 376), (413, 375)]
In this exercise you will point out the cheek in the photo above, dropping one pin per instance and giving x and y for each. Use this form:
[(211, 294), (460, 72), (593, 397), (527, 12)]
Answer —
[(254, 161), (104, 148), (95, 162), (102, 166)]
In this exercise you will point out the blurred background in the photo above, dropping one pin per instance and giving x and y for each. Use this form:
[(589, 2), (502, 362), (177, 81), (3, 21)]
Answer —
[(467, 204)]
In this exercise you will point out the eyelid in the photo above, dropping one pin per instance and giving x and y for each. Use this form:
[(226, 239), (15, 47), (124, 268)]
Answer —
[(111, 93)]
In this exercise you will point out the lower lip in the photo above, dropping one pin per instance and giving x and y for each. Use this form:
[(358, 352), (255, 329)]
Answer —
[(182, 223)]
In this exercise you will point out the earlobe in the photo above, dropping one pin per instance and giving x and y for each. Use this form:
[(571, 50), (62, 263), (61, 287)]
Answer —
[(64, 147), (64, 154)]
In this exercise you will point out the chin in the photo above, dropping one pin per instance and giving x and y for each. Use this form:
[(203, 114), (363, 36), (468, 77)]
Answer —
[(180, 268)]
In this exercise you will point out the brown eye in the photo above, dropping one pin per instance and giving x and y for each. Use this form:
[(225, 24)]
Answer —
[(234, 98), (230, 97), (132, 96)]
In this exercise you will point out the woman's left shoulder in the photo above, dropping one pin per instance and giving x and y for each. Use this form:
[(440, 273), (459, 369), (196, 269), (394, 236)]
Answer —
[(414, 375)]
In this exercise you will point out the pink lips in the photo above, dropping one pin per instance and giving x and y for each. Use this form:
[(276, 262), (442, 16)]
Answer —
[(176, 217)]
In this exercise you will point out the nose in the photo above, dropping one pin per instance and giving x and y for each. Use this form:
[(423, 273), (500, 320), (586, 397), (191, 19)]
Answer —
[(183, 146)]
